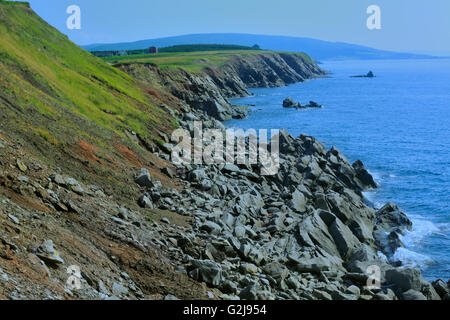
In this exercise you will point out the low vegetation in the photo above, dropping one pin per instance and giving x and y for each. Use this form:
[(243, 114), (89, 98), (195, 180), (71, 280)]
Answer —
[(189, 61)]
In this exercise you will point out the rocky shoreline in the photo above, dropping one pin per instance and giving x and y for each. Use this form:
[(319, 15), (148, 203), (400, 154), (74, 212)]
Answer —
[(210, 90), (203, 232), (305, 233)]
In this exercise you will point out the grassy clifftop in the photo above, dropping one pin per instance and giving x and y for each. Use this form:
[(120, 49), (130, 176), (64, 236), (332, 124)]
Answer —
[(193, 61)]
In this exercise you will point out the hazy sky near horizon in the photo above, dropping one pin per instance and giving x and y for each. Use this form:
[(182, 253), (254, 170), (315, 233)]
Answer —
[(407, 25)]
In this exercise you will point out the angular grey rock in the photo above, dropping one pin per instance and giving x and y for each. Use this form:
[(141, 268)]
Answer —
[(313, 231), (321, 295), (405, 279), (354, 290), (364, 176), (276, 270), (413, 295), (251, 254), (168, 172), (145, 202), (390, 218), (230, 168), (49, 255), (119, 290), (314, 265), (228, 286), (441, 287), (298, 201), (428, 291), (387, 242), (313, 104), (209, 271), (211, 227), (197, 175), (249, 293), (13, 219), (289, 103), (143, 178), (343, 237)]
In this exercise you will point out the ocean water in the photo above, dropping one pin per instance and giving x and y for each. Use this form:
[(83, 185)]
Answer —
[(398, 124)]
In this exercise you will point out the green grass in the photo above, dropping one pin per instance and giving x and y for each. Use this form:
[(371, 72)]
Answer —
[(189, 61), (40, 67), (192, 61)]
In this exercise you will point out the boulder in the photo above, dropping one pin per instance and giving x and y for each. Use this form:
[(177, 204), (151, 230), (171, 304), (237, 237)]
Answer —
[(249, 293), (207, 271), (211, 227), (388, 242), (230, 168), (47, 253), (413, 295), (168, 172), (314, 265), (144, 179), (389, 218), (343, 237), (145, 202), (298, 201), (353, 290), (429, 291), (404, 279), (197, 175), (276, 270), (251, 254), (312, 232), (364, 176), (441, 287)]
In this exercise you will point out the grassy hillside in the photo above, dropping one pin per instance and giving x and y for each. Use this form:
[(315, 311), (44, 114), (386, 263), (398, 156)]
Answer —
[(190, 61), (42, 69), (68, 107)]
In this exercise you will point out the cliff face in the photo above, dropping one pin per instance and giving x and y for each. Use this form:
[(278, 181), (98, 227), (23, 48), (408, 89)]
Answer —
[(209, 91)]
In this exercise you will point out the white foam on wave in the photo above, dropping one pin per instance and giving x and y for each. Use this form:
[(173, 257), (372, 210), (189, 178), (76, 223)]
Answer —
[(382, 256), (421, 228), (371, 197), (411, 259), (377, 176)]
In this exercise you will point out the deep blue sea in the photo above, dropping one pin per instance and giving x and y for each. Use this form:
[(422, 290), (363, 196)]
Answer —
[(398, 124)]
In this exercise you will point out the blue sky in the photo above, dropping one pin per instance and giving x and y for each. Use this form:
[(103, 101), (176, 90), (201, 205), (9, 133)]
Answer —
[(407, 25)]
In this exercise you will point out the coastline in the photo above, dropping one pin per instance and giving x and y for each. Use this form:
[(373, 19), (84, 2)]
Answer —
[(385, 238), (358, 135), (93, 208)]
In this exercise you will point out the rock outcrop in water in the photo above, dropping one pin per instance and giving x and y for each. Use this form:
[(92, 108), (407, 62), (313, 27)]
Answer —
[(289, 103), (368, 75)]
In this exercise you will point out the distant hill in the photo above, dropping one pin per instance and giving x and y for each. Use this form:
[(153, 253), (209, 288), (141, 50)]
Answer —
[(318, 49)]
